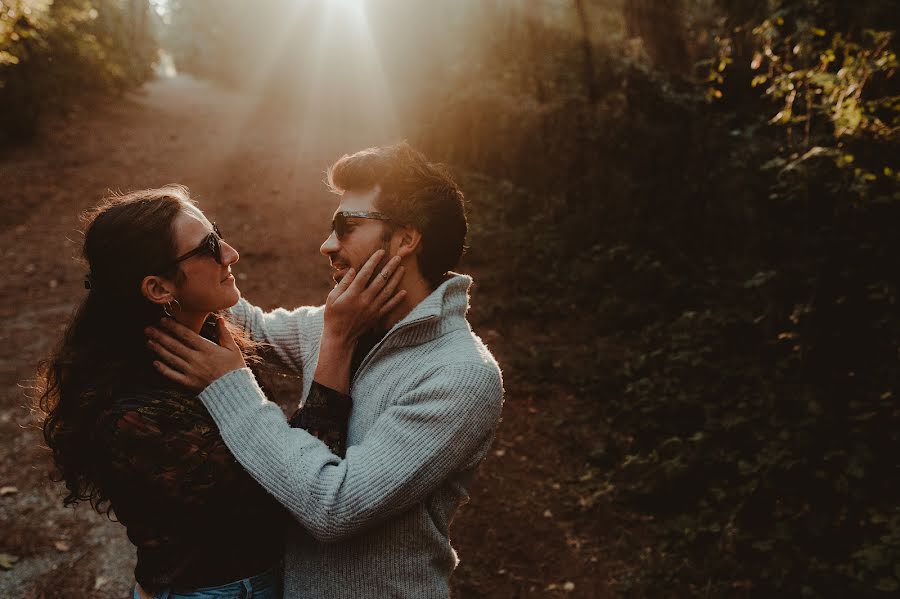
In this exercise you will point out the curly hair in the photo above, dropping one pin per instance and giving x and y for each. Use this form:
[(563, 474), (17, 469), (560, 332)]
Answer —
[(414, 192), (103, 351)]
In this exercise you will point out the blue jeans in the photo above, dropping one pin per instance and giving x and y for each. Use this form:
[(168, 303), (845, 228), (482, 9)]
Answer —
[(266, 585)]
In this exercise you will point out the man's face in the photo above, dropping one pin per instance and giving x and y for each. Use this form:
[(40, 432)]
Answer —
[(362, 238)]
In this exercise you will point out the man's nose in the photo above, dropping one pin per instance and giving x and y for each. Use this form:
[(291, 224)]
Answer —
[(229, 254), (330, 245)]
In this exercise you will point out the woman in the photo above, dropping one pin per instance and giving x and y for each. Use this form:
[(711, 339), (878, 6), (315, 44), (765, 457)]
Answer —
[(131, 442)]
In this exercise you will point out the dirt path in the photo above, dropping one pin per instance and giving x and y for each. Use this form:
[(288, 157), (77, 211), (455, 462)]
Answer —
[(259, 176)]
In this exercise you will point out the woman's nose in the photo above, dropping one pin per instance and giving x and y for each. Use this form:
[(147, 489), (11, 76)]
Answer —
[(229, 254)]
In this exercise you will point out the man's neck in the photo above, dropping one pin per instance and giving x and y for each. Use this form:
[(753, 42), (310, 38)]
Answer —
[(417, 289)]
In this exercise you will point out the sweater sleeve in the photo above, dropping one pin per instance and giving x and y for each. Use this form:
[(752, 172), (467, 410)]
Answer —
[(291, 333), (442, 426)]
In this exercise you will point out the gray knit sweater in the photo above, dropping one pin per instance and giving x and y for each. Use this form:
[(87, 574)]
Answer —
[(426, 402)]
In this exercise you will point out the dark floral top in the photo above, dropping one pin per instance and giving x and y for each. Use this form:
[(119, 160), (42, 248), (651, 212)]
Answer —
[(195, 515), (325, 414)]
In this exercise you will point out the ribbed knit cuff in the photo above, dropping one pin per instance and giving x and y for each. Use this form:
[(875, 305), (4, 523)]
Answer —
[(233, 396)]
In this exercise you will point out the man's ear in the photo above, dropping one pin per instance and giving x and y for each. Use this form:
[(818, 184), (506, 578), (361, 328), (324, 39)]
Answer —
[(409, 241), (157, 289)]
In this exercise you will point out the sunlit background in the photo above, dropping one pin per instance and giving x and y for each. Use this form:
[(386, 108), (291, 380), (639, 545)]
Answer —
[(361, 69)]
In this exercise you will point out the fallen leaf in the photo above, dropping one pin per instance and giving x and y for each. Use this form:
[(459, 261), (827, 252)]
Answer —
[(7, 560), (569, 586), (8, 490), (100, 581), (548, 514), (62, 546)]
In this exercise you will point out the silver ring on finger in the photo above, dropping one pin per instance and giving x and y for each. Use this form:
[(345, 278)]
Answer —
[(385, 276)]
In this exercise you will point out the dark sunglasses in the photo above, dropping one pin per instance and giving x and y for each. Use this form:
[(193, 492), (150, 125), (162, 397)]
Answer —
[(209, 245), (339, 223)]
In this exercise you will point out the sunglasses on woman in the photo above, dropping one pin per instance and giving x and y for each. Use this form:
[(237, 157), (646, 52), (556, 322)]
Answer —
[(339, 223), (209, 245)]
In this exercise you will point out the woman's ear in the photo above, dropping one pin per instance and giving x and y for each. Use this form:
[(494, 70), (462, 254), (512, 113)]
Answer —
[(157, 289), (409, 241)]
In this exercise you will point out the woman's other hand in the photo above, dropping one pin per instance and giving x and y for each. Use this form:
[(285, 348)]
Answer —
[(189, 359), (359, 301), (352, 308)]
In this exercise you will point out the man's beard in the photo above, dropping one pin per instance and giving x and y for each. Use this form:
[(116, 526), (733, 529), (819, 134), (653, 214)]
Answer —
[(345, 264)]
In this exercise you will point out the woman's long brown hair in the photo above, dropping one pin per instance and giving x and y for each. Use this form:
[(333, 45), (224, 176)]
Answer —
[(103, 352)]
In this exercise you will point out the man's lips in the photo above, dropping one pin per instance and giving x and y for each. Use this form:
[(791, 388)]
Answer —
[(230, 277)]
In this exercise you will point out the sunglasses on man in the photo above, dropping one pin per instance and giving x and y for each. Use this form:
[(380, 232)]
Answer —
[(340, 226), (209, 245)]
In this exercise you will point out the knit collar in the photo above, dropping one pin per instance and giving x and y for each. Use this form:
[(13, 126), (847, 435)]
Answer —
[(443, 310)]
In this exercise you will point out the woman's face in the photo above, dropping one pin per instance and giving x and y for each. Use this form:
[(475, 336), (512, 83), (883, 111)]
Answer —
[(204, 285)]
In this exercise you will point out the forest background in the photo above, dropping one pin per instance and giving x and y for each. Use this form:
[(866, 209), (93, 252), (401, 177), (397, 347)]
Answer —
[(709, 186)]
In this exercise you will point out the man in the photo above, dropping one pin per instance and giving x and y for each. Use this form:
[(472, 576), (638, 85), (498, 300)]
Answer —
[(426, 394)]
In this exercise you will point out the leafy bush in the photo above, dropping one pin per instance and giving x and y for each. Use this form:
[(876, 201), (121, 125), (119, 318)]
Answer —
[(741, 245), (54, 52)]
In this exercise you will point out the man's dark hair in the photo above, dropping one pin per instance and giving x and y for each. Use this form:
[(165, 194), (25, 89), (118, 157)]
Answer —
[(414, 192)]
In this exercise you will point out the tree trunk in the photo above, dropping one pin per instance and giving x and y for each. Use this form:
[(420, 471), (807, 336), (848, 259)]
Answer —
[(590, 79)]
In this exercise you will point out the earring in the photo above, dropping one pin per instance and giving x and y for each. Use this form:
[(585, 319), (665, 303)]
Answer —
[(167, 308)]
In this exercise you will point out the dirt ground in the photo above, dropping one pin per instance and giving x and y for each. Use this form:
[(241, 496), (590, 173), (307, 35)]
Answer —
[(259, 175)]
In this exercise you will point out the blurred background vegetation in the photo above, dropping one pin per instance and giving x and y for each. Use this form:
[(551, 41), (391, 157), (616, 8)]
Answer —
[(710, 185), (55, 51)]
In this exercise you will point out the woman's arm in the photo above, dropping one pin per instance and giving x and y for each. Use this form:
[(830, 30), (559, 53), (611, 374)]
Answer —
[(325, 414), (333, 367), (352, 307)]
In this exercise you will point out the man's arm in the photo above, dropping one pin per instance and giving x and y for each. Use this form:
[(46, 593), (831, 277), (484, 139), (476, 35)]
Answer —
[(440, 427), (290, 333), (352, 304)]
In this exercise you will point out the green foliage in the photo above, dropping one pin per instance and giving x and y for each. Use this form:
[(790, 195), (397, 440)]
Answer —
[(762, 429), (743, 251), (830, 80), (52, 52)]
